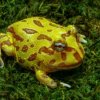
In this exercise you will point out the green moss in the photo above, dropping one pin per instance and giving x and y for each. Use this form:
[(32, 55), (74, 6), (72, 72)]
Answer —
[(18, 83)]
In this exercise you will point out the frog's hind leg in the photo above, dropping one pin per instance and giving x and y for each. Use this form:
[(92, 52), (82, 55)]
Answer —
[(45, 79), (6, 45)]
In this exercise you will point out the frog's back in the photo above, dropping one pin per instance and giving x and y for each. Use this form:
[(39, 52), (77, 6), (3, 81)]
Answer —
[(33, 25)]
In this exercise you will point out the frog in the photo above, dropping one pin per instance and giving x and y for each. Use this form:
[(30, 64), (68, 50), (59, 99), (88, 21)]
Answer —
[(43, 46)]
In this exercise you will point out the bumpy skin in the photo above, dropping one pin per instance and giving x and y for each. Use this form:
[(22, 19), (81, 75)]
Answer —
[(32, 42)]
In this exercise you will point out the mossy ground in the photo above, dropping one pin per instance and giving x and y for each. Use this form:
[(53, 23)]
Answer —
[(17, 83)]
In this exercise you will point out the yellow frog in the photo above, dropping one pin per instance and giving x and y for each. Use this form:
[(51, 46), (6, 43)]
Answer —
[(43, 46)]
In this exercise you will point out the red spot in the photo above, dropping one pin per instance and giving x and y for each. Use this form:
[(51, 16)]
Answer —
[(77, 56), (63, 55), (17, 37), (32, 57), (29, 31), (25, 48), (62, 64), (38, 23), (69, 49), (42, 36), (52, 61), (46, 50)]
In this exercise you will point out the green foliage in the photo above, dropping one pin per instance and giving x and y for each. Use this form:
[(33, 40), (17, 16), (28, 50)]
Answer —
[(18, 83)]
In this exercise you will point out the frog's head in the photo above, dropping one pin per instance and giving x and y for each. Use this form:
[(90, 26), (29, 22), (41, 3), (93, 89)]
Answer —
[(69, 45), (69, 39)]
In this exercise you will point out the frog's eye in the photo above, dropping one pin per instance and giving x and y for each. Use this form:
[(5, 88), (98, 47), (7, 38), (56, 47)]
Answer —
[(58, 46)]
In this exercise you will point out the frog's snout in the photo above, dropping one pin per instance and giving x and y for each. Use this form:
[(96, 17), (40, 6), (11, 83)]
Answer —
[(1, 63)]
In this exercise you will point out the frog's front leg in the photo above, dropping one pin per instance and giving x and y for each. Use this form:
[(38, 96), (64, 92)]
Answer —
[(45, 79), (6, 45)]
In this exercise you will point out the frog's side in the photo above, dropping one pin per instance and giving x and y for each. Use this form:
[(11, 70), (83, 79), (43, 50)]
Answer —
[(43, 46)]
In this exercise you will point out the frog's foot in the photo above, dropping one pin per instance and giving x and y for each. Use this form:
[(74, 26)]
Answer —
[(1, 63), (45, 79), (82, 38)]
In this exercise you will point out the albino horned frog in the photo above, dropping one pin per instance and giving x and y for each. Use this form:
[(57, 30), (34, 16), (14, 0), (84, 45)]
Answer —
[(43, 46)]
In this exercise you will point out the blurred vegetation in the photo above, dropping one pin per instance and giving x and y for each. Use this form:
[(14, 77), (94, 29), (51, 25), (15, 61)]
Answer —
[(17, 83)]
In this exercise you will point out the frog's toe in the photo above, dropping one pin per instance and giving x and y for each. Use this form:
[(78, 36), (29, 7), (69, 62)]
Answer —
[(65, 84), (1, 63)]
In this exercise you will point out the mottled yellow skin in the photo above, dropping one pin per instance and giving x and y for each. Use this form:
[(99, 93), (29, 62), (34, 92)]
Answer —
[(31, 41)]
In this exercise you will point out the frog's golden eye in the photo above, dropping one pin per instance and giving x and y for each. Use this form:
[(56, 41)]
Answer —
[(58, 46)]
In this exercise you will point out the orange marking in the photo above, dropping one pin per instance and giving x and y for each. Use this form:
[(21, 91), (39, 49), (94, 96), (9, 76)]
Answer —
[(69, 49), (25, 48), (63, 55), (17, 37), (32, 57), (62, 64), (46, 50), (29, 31), (42, 36), (38, 23), (52, 61), (77, 56)]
